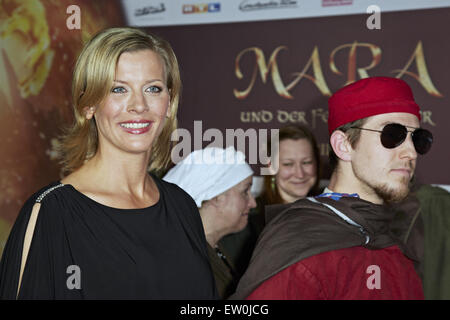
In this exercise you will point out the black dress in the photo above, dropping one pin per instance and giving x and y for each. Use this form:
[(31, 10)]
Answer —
[(82, 249)]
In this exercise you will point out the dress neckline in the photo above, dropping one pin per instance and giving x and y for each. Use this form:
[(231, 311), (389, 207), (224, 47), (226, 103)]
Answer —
[(120, 210)]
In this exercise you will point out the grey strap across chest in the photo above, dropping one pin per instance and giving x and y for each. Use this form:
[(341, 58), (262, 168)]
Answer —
[(343, 217)]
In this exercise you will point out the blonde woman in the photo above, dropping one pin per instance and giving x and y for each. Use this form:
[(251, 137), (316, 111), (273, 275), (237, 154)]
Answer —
[(108, 229)]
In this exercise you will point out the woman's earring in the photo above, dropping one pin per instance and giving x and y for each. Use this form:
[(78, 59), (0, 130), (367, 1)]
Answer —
[(272, 183)]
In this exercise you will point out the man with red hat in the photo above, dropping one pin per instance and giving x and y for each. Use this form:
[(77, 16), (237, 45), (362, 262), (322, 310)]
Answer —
[(338, 245)]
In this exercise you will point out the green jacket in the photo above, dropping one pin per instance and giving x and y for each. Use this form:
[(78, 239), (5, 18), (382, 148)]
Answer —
[(423, 222)]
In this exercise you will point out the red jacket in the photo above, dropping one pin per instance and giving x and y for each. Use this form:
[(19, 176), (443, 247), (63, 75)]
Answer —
[(351, 273)]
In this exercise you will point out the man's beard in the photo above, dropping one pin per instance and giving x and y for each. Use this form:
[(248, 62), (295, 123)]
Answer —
[(390, 194)]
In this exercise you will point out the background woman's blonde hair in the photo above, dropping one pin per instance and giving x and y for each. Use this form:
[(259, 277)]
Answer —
[(92, 80)]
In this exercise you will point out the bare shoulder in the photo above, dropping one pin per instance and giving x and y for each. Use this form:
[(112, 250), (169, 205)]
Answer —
[(81, 180)]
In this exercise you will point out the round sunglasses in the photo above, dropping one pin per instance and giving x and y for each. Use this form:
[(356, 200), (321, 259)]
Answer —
[(394, 134)]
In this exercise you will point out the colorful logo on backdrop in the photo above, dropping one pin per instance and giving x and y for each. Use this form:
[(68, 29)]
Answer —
[(251, 5), (201, 8)]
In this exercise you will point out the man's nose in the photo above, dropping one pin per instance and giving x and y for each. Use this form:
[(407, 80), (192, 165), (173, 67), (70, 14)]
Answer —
[(408, 150)]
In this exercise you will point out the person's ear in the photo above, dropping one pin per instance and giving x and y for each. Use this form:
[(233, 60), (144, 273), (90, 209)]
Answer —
[(341, 146), (89, 112), (169, 110)]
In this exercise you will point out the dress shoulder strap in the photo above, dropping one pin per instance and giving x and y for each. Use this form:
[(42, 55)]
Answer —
[(46, 192)]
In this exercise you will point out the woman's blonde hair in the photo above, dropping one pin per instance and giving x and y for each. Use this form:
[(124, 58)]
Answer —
[(93, 78)]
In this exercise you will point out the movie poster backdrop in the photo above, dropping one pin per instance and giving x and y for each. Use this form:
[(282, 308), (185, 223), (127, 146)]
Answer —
[(251, 76)]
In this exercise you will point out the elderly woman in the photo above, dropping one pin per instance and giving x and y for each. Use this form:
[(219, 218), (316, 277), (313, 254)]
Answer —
[(109, 230), (219, 180)]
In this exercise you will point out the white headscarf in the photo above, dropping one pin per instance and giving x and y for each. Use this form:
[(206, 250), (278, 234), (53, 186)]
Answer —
[(206, 173)]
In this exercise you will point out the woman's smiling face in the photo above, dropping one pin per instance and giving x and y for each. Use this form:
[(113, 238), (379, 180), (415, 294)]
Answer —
[(297, 171), (132, 115)]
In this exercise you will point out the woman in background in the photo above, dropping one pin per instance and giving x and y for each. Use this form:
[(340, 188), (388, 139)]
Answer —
[(297, 176), (219, 180), (298, 164), (110, 230)]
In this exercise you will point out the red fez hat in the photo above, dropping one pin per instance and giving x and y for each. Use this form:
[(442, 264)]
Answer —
[(369, 97)]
